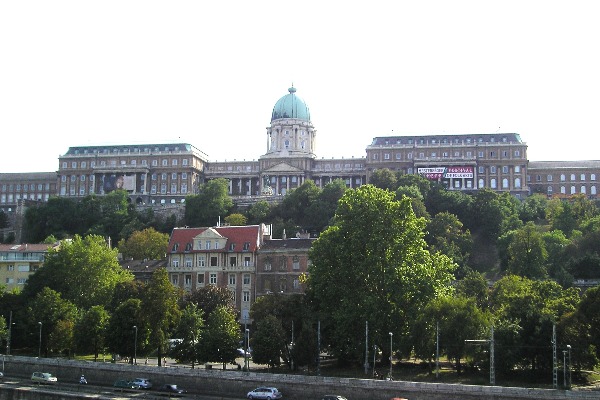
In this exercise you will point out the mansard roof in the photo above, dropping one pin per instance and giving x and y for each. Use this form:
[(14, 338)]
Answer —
[(243, 238)]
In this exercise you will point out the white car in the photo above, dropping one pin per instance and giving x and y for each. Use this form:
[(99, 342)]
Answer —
[(263, 392), (143, 383), (43, 377)]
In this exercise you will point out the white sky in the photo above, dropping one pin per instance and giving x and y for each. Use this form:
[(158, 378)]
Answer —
[(209, 73)]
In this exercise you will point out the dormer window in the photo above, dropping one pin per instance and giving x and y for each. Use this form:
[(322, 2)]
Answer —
[(188, 247), (175, 247), (232, 247), (246, 246)]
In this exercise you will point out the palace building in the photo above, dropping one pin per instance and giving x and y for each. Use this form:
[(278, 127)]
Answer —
[(161, 174)]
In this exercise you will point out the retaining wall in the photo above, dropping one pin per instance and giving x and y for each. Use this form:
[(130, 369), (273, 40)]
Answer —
[(238, 383)]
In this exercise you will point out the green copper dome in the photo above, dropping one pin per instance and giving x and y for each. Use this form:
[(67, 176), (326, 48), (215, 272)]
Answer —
[(291, 106)]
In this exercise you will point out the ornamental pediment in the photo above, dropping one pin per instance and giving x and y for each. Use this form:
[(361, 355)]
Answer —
[(209, 233), (282, 167)]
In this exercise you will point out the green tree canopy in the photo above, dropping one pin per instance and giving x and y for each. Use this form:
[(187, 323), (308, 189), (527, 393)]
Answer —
[(161, 310), (211, 203), (90, 330), (527, 253), (221, 337), (47, 312), (145, 244), (372, 265), (84, 271)]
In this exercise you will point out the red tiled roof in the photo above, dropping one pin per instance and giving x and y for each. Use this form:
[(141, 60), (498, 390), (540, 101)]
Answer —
[(26, 247), (237, 235)]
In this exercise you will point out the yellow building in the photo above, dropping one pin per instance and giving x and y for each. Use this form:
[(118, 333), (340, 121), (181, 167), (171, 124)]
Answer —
[(19, 261)]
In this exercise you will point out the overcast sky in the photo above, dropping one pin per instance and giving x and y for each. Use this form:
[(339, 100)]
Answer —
[(209, 73)]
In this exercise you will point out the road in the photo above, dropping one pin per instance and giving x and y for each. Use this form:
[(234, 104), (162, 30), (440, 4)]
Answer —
[(106, 391)]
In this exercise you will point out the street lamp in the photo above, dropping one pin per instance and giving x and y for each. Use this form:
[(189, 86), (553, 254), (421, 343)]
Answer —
[(569, 354), (374, 359), (40, 345), (391, 351), (135, 346), (8, 337), (246, 349), (565, 369)]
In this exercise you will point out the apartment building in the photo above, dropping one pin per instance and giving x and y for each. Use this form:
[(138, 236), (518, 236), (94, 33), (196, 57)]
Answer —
[(224, 256), (19, 261)]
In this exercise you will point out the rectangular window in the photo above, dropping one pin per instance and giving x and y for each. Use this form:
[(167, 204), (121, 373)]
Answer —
[(213, 262), (246, 296), (493, 169), (246, 279), (246, 261), (208, 245), (213, 279), (175, 279), (505, 169), (232, 279), (188, 262), (188, 280), (201, 261), (200, 279), (175, 263), (232, 261)]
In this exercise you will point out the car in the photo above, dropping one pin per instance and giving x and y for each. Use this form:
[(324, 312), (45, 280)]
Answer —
[(264, 392), (125, 384), (333, 397), (171, 388), (242, 353), (144, 383), (43, 377)]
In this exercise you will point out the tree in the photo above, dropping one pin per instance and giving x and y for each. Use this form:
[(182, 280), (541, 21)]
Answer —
[(384, 179), (189, 331), (146, 244), (259, 212), (459, 319), (211, 203), (50, 313), (90, 330), (445, 233), (121, 335), (221, 337), (268, 342), (527, 253), (474, 286), (236, 219), (529, 308), (209, 298), (296, 203), (84, 271), (160, 310), (372, 265)]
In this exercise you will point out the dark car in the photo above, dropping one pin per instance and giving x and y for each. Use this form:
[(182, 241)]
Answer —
[(122, 384), (171, 388)]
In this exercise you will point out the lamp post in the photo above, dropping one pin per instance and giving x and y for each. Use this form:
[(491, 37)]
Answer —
[(10, 324), (135, 346), (40, 345), (374, 358), (246, 366), (569, 360), (565, 369), (391, 351)]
